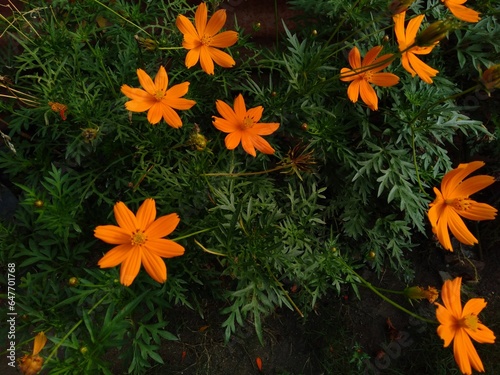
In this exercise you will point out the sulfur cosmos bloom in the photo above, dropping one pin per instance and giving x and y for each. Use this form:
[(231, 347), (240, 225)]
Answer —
[(140, 240), (460, 325), (453, 201), (243, 126), (409, 50), (31, 364), (203, 39), (461, 11), (156, 99), (367, 72)]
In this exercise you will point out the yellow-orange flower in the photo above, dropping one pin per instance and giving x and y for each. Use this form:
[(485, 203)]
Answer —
[(243, 126), (31, 364), (460, 325), (156, 99), (204, 39), (140, 240), (460, 11), (416, 292), (453, 201), (365, 72), (408, 48)]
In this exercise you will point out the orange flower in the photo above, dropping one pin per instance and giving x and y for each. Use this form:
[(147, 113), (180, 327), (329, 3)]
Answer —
[(460, 11), (203, 41), (243, 126), (32, 364), (453, 201), (156, 99), (139, 239), (406, 41), (365, 72), (58, 107), (460, 326)]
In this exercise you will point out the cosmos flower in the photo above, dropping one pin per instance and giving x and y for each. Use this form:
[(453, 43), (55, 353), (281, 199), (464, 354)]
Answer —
[(59, 107), (140, 240), (365, 72), (31, 364), (409, 50), (156, 99), (460, 11), (453, 201), (243, 126), (203, 39), (460, 325)]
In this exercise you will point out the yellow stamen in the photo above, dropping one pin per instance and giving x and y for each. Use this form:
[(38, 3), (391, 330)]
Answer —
[(206, 40), (248, 122), (469, 321), (159, 95), (461, 204), (139, 238)]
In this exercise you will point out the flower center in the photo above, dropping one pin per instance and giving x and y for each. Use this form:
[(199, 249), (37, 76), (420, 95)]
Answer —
[(206, 40), (469, 321), (368, 75), (159, 95), (460, 204), (248, 122), (138, 238)]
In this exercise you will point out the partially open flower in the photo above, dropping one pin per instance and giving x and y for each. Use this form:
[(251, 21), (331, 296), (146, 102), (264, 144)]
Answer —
[(31, 364), (433, 33), (415, 292), (490, 79)]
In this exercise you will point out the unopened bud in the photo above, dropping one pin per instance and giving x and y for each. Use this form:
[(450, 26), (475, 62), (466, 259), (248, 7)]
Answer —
[(490, 79), (146, 43), (399, 6), (433, 33), (84, 350), (38, 203), (73, 281)]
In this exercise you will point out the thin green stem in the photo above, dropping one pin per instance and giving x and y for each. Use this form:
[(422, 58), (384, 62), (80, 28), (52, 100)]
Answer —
[(192, 234), (225, 174)]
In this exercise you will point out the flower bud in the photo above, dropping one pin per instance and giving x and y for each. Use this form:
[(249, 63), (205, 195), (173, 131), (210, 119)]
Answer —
[(38, 203), (399, 6), (30, 364), (84, 350), (490, 79), (415, 292), (433, 33), (146, 43), (73, 281)]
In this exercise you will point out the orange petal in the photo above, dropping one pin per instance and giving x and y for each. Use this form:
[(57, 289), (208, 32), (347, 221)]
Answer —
[(161, 79), (446, 330), (233, 139), (140, 105), (261, 144), (455, 176), (180, 103), (134, 93), (163, 226), (441, 229), (155, 113), (265, 128), (154, 266), (164, 248), (479, 211), (382, 62), (115, 256), (146, 82), (216, 22), (247, 143), (255, 113), (224, 39), (130, 266), (465, 353), (463, 13), (384, 79), (112, 234), (206, 61), (354, 58), (223, 125), (399, 29), (125, 218), (412, 28), (368, 95), (221, 58), (192, 57), (347, 75), (459, 229), (474, 306), (482, 334), (200, 19), (370, 56), (186, 27), (178, 91), (189, 43), (227, 112), (40, 341), (472, 185), (424, 71), (146, 213), (240, 109), (353, 91), (405, 61), (171, 117)]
